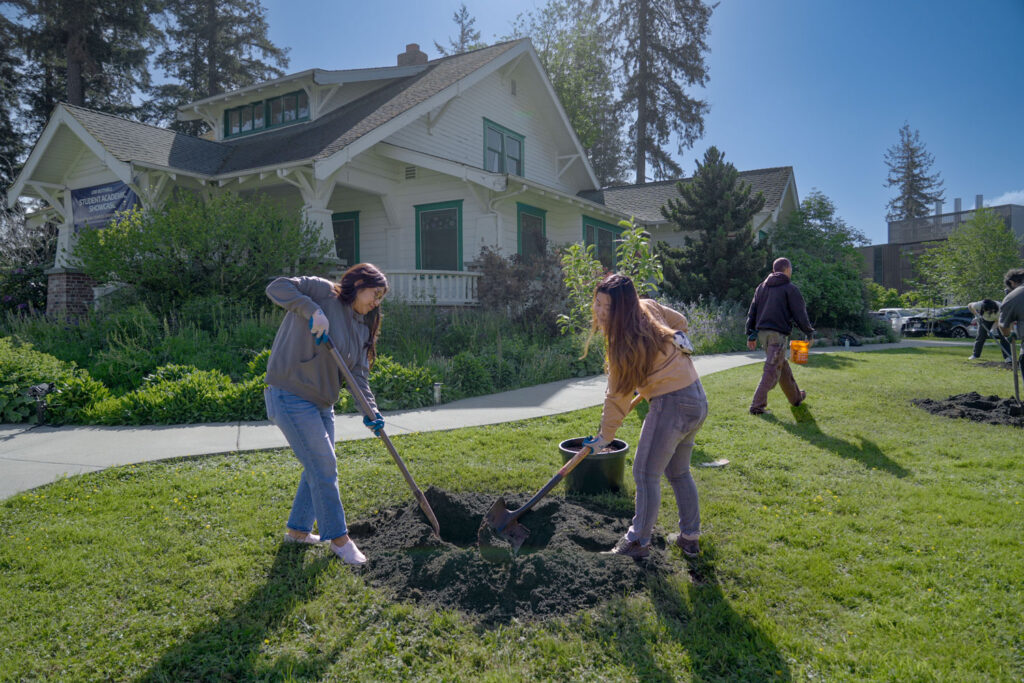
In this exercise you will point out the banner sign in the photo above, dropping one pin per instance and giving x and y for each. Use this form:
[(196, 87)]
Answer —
[(95, 206)]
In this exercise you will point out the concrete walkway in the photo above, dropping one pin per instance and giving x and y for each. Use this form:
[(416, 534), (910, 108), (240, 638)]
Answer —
[(32, 456)]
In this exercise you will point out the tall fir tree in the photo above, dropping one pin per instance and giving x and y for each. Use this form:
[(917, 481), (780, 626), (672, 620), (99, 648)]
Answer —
[(11, 142), (722, 257), (660, 45), (571, 46), (213, 46), (90, 53), (468, 38), (910, 168)]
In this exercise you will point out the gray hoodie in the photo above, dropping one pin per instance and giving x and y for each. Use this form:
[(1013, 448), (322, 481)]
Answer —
[(296, 363)]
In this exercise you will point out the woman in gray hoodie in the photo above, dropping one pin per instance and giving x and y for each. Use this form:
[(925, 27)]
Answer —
[(304, 384)]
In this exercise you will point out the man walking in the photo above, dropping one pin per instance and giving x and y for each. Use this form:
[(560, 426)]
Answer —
[(776, 305), (987, 313)]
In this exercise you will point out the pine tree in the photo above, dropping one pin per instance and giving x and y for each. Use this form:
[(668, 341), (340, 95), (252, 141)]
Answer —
[(91, 53), (909, 171), (660, 45), (11, 143), (722, 257), (469, 37), (213, 46), (570, 44)]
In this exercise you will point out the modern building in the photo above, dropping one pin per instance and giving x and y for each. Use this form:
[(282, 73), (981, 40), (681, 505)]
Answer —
[(892, 264)]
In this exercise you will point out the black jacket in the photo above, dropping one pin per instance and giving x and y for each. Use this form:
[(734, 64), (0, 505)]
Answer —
[(777, 304)]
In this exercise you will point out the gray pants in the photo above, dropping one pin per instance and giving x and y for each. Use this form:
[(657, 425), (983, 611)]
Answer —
[(666, 442)]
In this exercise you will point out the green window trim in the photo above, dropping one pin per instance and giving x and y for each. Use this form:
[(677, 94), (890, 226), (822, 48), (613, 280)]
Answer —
[(597, 224), (354, 217), (298, 99), (439, 206), (504, 150), (532, 211)]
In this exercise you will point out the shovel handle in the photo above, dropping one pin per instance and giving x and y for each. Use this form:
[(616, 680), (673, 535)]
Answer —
[(364, 407), (559, 475)]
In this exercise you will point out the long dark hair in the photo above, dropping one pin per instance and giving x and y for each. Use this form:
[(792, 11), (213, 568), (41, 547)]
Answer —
[(363, 276), (632, 336)]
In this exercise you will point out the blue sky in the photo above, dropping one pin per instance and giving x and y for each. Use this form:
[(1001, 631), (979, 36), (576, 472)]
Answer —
[(820, 85)]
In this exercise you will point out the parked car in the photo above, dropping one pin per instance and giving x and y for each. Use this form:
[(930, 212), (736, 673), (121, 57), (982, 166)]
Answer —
[(948, 322), (898, 317)]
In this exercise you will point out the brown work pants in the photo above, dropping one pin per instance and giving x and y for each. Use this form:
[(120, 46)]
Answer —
[(776, 371)]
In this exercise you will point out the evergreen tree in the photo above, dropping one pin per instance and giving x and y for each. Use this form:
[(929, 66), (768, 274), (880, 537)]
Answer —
[(11, 144), (571, 46), (722, 257), (468, 39), (213, 46), (826, 263), (660, 45), (91, 53), (910, 172)]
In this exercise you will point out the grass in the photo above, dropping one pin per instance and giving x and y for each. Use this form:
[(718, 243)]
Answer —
[(876, 543)]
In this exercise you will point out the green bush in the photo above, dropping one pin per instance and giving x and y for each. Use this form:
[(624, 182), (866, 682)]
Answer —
[(22, 367), (398, 387), (225, 245), (174, 394), (470, 375)]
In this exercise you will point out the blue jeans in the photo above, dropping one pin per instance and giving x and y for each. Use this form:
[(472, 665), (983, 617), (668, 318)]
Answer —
[(664, 448), (309, 430)]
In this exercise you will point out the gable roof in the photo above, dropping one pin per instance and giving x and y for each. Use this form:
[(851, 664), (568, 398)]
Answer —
[(644, 201)]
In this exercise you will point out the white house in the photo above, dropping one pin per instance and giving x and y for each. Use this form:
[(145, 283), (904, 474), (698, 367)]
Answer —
[(413, 167)]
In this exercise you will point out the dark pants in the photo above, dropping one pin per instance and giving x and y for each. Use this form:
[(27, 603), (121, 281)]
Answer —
[(984, 332), (776, 371)]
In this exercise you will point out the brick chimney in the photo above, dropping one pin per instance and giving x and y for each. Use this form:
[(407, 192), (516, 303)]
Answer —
[(412, 56)]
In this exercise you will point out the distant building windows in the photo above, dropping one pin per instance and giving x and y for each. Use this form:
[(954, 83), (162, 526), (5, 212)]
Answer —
[(346, 236), (266, 114), (530, 224), (602, 235), (439, 236), (503, 149)]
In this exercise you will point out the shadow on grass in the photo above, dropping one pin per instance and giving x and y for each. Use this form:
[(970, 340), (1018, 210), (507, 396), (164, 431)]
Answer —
[(829, 361), (695, 614), (867, 452), (228, 649)]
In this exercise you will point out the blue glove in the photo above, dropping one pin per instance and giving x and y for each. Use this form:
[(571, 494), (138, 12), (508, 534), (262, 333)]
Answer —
[(596, 443), (318, 325), (376, 425)]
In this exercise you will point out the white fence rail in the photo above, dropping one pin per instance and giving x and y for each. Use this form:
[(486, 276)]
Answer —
[(437, 287)]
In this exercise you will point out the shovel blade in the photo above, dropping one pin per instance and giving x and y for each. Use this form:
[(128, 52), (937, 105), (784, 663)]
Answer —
[(498, 523)]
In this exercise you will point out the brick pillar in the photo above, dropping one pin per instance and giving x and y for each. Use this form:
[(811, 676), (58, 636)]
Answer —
[(68, 292)]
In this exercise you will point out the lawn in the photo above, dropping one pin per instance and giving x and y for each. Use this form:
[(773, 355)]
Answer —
[(876, 542)]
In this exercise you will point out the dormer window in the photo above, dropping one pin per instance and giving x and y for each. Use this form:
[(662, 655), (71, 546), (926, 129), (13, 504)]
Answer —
[(503, 149), (266, 114)]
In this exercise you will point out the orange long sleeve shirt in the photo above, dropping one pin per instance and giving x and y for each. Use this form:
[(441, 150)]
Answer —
[(672, 370)]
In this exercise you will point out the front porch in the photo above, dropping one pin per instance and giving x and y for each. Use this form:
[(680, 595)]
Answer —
[(434, 287)]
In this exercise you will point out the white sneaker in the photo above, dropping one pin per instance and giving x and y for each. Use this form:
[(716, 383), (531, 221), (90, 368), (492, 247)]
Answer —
[(973, 357), (349, 553), (308, 539)]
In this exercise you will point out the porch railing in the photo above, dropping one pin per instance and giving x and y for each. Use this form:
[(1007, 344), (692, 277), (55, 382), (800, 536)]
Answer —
[(436, 287)]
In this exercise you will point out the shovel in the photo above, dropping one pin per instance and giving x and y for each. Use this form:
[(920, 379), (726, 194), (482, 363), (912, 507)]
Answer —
[(1016, 370), (502, 521), (364, 407)]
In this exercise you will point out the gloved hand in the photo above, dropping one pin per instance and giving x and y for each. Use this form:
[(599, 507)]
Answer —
[(597, 443), (376, 425), (318, 325), (683, 342)]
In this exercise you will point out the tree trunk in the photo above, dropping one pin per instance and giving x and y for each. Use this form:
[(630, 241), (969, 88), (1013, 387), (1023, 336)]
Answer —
[(74, 54), (212, 82), (640, 153)]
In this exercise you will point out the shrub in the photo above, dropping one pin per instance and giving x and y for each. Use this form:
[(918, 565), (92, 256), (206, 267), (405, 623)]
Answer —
[(714, 326), (226, 245), (21, 367), (174, 394), (529, 293), (470, 375), (398, 387)]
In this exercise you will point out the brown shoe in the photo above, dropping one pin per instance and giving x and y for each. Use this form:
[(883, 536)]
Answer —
[(630, 548), (803, 395), (690, 548), (759, 411)]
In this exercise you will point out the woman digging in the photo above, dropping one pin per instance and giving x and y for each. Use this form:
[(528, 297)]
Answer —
[(304, 384), (645, 356)]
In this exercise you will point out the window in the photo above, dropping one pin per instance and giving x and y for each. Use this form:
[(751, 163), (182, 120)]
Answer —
[(503, 150), (257, 116), (346, 236), (439, 236), (603, 235), (530, 227)]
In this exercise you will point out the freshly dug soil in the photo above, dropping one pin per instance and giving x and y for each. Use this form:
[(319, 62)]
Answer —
[(557, 571), (974, 406)]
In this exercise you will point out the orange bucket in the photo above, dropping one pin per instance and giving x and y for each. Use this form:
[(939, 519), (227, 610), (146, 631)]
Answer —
[(798, 351)]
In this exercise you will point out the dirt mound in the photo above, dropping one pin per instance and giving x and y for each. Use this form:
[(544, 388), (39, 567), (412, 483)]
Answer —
[(558, 570), (1001, 365), (974, 406)]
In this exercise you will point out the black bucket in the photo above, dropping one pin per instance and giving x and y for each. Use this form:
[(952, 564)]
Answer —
[(599, 472)]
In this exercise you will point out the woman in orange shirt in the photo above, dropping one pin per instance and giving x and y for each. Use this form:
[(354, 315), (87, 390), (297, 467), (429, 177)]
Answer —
[(646, 357)]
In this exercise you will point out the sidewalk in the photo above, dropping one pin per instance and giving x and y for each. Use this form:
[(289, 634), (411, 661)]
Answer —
[(32, 456)]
